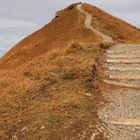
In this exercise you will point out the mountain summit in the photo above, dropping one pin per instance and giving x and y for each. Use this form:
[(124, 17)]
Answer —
[(70, 79), (68, 26)]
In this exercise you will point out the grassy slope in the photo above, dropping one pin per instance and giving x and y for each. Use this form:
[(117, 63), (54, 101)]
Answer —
[(112, 26), (54, 92), (58, 33), (55, 87), (52, 88)]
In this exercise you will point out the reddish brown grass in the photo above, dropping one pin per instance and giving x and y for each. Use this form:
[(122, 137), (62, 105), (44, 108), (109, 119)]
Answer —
[(47, 77), (112, 26)]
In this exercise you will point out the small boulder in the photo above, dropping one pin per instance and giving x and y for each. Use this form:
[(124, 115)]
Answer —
[(57, 14), (24, 129), (42, 127)]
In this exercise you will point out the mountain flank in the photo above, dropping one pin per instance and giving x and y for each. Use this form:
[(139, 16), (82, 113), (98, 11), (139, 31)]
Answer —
[(69, 27), (52, 82)]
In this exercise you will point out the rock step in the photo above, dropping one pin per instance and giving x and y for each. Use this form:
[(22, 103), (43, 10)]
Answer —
[(124, 76), (134, 82), (123, 46), (130, 122), (123, 56), (134, 48), (121, 60), (123, 51), (123, 67), (117, 83)]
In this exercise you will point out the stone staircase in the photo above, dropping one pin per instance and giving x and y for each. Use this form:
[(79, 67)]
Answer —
[(122, 65), (122, 68), (121, 113)]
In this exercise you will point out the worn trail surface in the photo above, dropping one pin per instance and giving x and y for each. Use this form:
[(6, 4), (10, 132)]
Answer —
[(121, 77), (88, 24), (121, 71)]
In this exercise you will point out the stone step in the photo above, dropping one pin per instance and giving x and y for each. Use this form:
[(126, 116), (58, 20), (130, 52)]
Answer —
[(129, 122), (125, 47), (123, 67), (133, 82), (121, 60), (122, 46), (123, 84), (137, 52), (123, 56), (124, 76)]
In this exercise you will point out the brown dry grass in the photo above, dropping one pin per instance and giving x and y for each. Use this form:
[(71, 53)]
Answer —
[(50, 78), (69, 26), (51, 91), (112, 26)]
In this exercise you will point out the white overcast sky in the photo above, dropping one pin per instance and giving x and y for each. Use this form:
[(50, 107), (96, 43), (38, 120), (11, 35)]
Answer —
[(19, 18)]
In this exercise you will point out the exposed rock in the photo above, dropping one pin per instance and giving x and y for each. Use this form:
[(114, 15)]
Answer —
[(35, 129), (24, 129), (58, 13), (88, 94), (92, 137), (14, 137), (42, 127)]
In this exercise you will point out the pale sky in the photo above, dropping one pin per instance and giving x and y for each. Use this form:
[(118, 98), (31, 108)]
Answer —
[(19, 18)]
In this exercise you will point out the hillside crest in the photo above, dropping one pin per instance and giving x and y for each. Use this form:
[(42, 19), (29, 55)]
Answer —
[(66, 27)]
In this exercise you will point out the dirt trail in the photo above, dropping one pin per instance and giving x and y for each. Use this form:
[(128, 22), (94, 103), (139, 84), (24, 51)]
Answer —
[(88, 24), (120, 76)]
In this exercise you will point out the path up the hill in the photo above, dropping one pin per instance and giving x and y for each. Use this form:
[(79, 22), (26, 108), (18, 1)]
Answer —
[(123, 66), (88, 24), (121, 71)]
